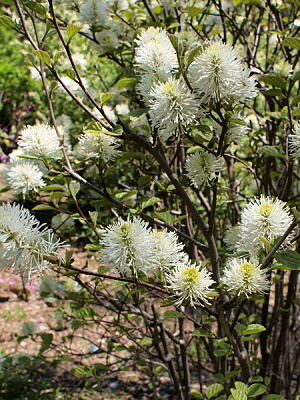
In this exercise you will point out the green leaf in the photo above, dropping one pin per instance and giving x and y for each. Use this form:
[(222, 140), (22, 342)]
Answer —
[(173, 314), (125, 195), (104, 97), (70, 73), (176, 44), (165, 216), (7, 22), (150, 202), (143, 180), (289, 258), (135, 115), (37, 8), (72, 30), (257, 3), (237, 121), (272, 151), (252, 329), (294, 43), (273, 397), (272, 92), (92, 127), (200, 332), (94, 216), (50, 188), (43, 207), (116, 131), (198, 395), (193, 11), (57, 56), (213, 390), (43, 56), (192, 55), (146, 341), (256, 389), (74, 188), (273, 80), (127, 82), (169, 301)]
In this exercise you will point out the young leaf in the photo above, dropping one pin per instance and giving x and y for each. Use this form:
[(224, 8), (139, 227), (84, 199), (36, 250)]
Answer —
[(7, 22), (43, 56), (104, 97), (213, 390), (200, 332), (256, 389), (252, 329), (72, 30), (37, 8), (294, 43), (127, 82), (42, 207), (150, 202)]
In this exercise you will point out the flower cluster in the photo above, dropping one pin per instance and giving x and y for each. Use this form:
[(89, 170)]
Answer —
[(190, 283), (202, 167), (131, 247), (294, 141), (94, 12), (218, 75), (242, 277), (25, 245), (39, 141), (95, 145), (24, 176), (263, 218)]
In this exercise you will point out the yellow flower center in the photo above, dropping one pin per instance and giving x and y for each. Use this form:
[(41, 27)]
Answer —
[(247, 270), (190, 275), (265, 210)]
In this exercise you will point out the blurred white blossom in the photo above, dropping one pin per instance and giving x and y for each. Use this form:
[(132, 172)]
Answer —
[(294, 141), (94, 12), (203, 167)]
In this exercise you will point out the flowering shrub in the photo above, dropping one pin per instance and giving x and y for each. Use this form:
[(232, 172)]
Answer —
[(180, 165)]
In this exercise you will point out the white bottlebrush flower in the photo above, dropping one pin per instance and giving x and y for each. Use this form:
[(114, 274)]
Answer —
[(39, 141), (96, 145), (155, 52), (169, 250), (203, 167), (294, 141), (190, 283), (23, 177), (217, 74), (62, 223), (108, 40), (25, 245), (130, 247), (242, 277), (232, 237), (263, 217), (94, 12), (188, 40), (172, 106), (148, 81)]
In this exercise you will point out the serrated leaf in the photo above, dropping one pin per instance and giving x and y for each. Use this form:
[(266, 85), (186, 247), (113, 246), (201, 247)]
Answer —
[(256, 389), (173, 314), (289, 258), (43, 207), (94, 217), (193, 11), (127, 82), (50, 188), (272, 151), (70, 73), (273, 80), (146, 341), (37, 8), (7, 22), (165, 216), (213, 390), (294, 43), (150, 202), (43, 56), (92, 126), (135, 115), (116, 131), (200, 332), (252, 329), (169, 301), (72, 30), (198, 395), (74, 188), (104, 97)]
